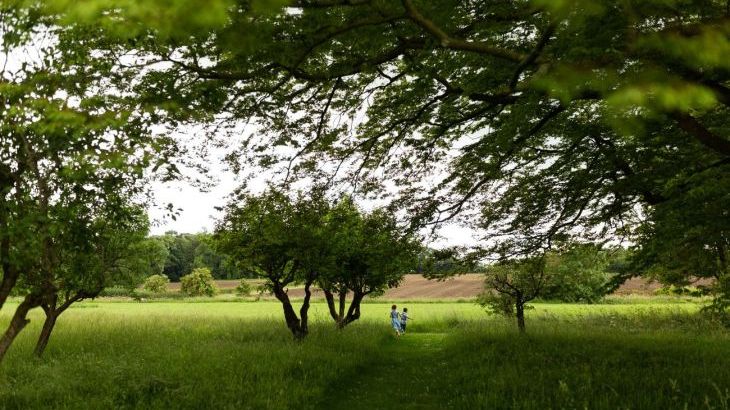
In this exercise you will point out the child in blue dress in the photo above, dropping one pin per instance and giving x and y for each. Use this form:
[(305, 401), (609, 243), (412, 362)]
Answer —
[(395, 319)]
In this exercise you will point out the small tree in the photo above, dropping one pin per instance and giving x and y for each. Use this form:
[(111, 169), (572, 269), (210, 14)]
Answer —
[(368, 253), (92, 253), (271, 235), (510, 285), (199, 283), (578, 273), (156, 283)]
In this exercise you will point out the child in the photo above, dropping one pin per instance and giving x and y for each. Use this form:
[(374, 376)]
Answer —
[(394, 320), (403, 319)]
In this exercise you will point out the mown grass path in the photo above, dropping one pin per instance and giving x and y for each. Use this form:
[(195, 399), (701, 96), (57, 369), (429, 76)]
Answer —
[(404, 376)]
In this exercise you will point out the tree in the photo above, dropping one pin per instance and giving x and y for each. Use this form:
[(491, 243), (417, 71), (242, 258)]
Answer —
[(185, 252), (266, 234), (369, 254), (94, 251), (555, 117), (579, 272), (510, 285), (688, 238), (69, 142), (156, 283), (312, 241), (444, 263)]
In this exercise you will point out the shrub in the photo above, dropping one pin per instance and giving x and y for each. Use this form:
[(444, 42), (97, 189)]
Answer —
[(673, 290), (243, 288), (199, 283), (156, 284), (496, 303)]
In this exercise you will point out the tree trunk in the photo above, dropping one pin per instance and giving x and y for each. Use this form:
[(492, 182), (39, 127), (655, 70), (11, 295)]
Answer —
[(343, 303), (330, 297), (353, 313), (304, 310), (292, 321), (520, 306), (53, 311), (722, 258), (10, 277), (18, 322), (48, 325)]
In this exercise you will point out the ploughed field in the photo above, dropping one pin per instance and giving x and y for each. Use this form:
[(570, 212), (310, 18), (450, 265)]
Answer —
[(459, 287), (216, 353)]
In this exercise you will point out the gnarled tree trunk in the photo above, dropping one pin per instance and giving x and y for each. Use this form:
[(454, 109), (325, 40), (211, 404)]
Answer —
[(341, 318), (353, 313), (18, 322), (44, 337), (290, 315), (10, 274), (53, 311), (304, 310)]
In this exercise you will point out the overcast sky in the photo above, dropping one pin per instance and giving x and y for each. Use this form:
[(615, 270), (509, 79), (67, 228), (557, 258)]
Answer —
[(197, 211)]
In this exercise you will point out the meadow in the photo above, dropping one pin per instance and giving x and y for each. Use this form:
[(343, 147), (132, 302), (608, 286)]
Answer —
[(213, 353)]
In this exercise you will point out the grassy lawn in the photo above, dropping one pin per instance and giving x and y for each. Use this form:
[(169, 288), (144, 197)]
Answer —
[(182, 354)]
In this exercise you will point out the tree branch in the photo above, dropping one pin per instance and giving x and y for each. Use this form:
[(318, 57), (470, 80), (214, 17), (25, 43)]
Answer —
[(456, 43), (707, 138)]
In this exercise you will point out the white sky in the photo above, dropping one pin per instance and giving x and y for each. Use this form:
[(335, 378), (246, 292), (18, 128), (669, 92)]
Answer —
[(197, 211)]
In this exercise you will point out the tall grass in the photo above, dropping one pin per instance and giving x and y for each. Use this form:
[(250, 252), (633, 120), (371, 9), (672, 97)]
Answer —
[(175, 354)]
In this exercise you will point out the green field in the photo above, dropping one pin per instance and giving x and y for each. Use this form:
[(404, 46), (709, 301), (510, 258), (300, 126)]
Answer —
[(178, 354)]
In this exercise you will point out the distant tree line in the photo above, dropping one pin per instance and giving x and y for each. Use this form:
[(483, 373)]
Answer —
[(184, 252)]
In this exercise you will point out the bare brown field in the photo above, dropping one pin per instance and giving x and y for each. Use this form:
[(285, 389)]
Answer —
[(460, 287)]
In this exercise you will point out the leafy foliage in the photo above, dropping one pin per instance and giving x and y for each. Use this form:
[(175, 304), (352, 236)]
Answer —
[(535, 120), (185, 252), (311, 241), (509, 285), (198, 283), (580, 273), (244, 288), (75, 154), (156, 283), (368, 252)]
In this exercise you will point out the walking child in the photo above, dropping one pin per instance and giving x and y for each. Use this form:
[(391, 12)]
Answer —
[(395, 320), (403, 320)]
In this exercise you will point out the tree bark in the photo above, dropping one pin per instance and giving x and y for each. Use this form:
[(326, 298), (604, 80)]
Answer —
[(520, 307), (53, 311), (353, 313), (330, 298), (18, 322), (48, 325), (10, 277), (343, 303), (292, 321), (722, 258), (304, 310), (10, 274), (707, 138)]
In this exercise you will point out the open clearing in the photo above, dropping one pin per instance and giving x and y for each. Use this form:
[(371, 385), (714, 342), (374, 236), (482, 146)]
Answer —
[(239, 355)]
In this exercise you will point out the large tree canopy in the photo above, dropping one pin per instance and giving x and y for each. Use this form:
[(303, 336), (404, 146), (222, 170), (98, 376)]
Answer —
[(534, 120), (538, 118)]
